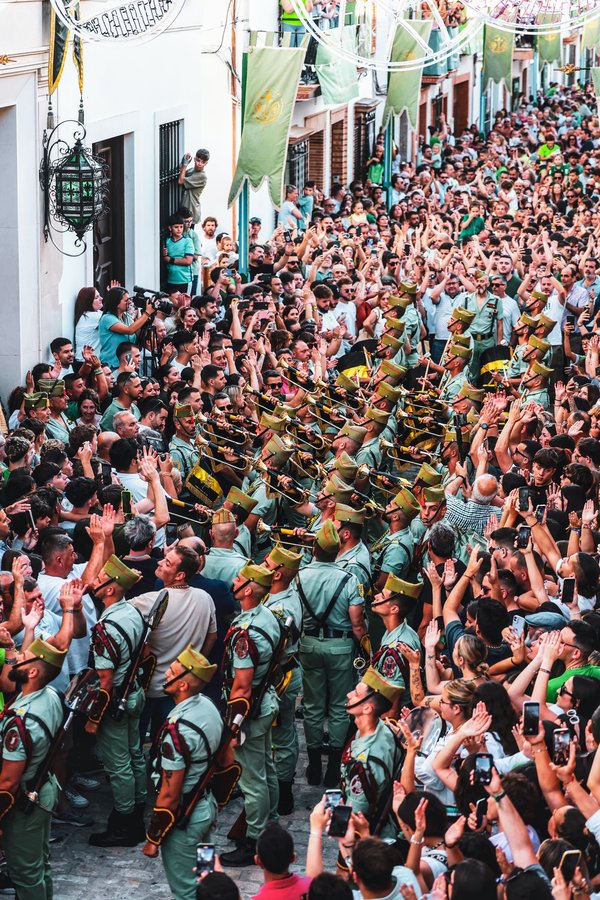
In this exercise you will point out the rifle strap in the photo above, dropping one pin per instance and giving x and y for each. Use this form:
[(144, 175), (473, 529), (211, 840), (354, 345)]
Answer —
[(322, 620)]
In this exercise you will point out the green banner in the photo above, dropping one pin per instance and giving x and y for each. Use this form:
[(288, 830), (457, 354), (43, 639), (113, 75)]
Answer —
[(404, 87), (57, 55), (595, 74), (337, 76), (549, 45), (271, 85), (497, 57), (590, 37)]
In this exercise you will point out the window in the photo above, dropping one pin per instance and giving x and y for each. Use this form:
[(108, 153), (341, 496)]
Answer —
[(364, 139), (298, 164), (169, 161)]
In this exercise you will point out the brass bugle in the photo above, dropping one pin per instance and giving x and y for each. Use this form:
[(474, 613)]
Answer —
[(371, 510), (199, 518), (315, 441), (267, 405), (311, 469), (211, 446), (263, 528), (296, 493), (360, 664), (228, 432), (310, 387)]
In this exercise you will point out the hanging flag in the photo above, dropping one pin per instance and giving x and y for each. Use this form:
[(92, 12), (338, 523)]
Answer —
[(337, 76), (590, 37), (404, 87), (497, 57), (78, 53), (549, 47), (270, 88), (57, 56), (595, 73)]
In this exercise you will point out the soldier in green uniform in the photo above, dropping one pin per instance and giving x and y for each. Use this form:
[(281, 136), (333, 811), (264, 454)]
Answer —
[(186, 745), (486, 329), (58, 425), (392, 553), (353, 556), (373, 759), (223, 561), (182, 450), (333, 619), (242, 507), (27, 730), (115, 641), (370, 453), (275, 455), (393, 605), (283, 601), (249, 646), (406, 300), (535, 385), (456, 362)]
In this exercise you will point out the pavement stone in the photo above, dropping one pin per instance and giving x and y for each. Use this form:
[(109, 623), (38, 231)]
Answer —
[(96, 873)]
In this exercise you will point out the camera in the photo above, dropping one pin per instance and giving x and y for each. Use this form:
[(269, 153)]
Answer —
[(159, 300)]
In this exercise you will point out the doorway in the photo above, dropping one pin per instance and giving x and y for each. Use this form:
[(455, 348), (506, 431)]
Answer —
[(109, 230)]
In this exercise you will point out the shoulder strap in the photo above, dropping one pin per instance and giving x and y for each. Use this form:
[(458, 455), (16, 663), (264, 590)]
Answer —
[(123, 634), (323, 619), (199, 731)]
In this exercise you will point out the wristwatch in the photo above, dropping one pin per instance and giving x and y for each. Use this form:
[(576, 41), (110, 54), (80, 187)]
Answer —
[(484, 425)]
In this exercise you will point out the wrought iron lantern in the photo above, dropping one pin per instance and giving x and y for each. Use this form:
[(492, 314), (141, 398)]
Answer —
[(75, 186)]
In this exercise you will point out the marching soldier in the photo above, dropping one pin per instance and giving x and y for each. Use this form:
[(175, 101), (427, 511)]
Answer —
[(392, 553), (353, 556), (115, 642), (373, 759), (27, 730), (242, 507), (393, 605), (333, 619), (185, 744), (250, 644), (535, 385), (223, 560), (283, 601)]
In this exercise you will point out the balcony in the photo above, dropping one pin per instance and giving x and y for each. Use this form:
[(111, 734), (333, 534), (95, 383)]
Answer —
[(439, 70)]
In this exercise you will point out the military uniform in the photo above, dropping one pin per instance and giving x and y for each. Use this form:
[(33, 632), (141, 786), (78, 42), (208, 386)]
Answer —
[(223, 564), (450, 385), (357, 560), (392, 553), (388, 660), (370, 454), (483, 328), (59, 429), (184, 455), (188, 740), (27, 729)]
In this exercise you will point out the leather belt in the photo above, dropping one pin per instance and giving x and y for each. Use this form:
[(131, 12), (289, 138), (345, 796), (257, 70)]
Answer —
[(327, 633)]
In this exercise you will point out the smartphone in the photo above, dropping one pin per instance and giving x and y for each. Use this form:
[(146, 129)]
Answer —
[(491, 443), (523, 535), (560, 746), (374, 251), (568, 591), (523, 499), (205, 858), (570, 320), (540, 512), (126, 502), (128, 358), (287, 237), (519, 624), (358, 231), (332, 799), (340, 818), (243, 304), (261, 305), (569, 862), (480, 811), (531, 718), (482, 773), (31, 519), (369, 242)]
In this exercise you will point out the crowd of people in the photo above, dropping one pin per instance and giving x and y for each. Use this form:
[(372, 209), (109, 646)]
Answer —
[(352, 492)]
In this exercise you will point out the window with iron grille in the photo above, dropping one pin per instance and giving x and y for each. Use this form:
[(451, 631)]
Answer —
[(364, 140), (169, 161), (297, 164)]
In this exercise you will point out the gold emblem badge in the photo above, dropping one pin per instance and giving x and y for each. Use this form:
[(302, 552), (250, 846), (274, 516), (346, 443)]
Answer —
[(498, 44), (267, 108)]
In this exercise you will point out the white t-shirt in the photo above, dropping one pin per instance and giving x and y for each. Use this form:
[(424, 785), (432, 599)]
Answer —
[(190, 616), (131, 481), (50, 586), (86, 332), (348, 311)]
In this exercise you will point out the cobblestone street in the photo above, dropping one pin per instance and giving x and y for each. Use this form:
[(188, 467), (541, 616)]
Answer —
[(81, 871)]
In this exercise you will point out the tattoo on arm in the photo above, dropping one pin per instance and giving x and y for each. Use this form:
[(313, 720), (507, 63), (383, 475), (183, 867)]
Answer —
[(416, 687)]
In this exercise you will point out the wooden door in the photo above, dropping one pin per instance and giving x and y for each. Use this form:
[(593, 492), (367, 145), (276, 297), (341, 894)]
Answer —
[(461, 107), (109, 230)]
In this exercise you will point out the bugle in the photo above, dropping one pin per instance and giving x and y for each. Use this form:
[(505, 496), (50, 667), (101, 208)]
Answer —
[(296, 493), (263, 528), (210, 447)]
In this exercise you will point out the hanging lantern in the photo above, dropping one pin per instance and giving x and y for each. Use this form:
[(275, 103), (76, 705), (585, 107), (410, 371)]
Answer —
[(75, 185)]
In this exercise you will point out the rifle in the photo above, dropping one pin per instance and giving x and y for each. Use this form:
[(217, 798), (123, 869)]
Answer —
[(77, 693), (270, 675), (151, 622)]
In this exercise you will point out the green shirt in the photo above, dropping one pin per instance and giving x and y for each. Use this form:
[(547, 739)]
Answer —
[(223, 564), (392, 553), (555, 683), (318, 582), (386, 664), (358, 561), (486, 317), (200, 712), (106, 422), (125, 625), (379, 756), (260, 626), (287, 603)]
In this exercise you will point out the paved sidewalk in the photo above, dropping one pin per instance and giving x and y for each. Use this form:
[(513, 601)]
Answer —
[(81, 871)]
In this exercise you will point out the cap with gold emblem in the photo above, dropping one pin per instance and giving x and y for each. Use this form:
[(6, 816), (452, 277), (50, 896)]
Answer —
[(192, 660), (538, 344), (407, 589), (529, 321), (51, 386), (356, 433), (239, 498), (406, 501), (273, 423), (38, 400), (387, 392), (460, 314), (468, 392), (380, 685), (116, 569), (542, 370), (346, 466), (327, 537), (348, 384), (281, 556), (450, 435), (223, 517), (278, 449), (392, 370), (395, 324), (388, 340), (183, 411), (47, 653), (345, 513), (257, 574), (435, 494), (338, 489), (539, 295), (408, 287), (377, 415), (428, 475), (458, 350)]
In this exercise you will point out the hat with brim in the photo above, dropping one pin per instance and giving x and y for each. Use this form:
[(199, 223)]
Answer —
[(183, 411), (408, 287), (116, 569), (460, 314), (549, 621), (197, 664), (348, 384), (541, 370), (380, 416), (346, 466), (461, 340), (407, 589), (525, 320), (387, 392), (469, 392), (356, 433), (545, 322), (428, 475), (402, 302), (51, 386), (407, 503), (377, 683), (394, 324), (388, 340), (281, 556), (49, 654), (327, 537), (38, 400), (539, 295), (435, 494), (239, 498), (537, 343), (257, 574), (344, 513)]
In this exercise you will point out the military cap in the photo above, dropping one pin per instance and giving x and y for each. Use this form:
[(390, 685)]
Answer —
[(388, 340), (539, 295), (273, 423), (537, 343), (545, 322), (257, 574), (356, 433), (284, 409), (281, 556), (338, 489), (327, 537), (458, 350), (428, 475), (223, 517), (392, 370), (380, 416), (346, 466), (450, 436), (183, 411), (540, 369), (51, 386), (435, 494), (460, 314), (471, 393), (462, 340), (524, 319), (192, 660), (348, 384), (406, 501), (402, 302), (380, 685), (238, 498), (387, 392), (408, 287), (46, 652), (124, 576), (278, 449), (345, 513), (38, 400), (406, 588), (395, 324)]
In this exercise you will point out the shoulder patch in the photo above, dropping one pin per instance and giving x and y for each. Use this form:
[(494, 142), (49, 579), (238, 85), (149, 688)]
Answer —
[(356, 786), (361, 590), (241, 646), (12, 739), (167, 750), (388, 667)]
